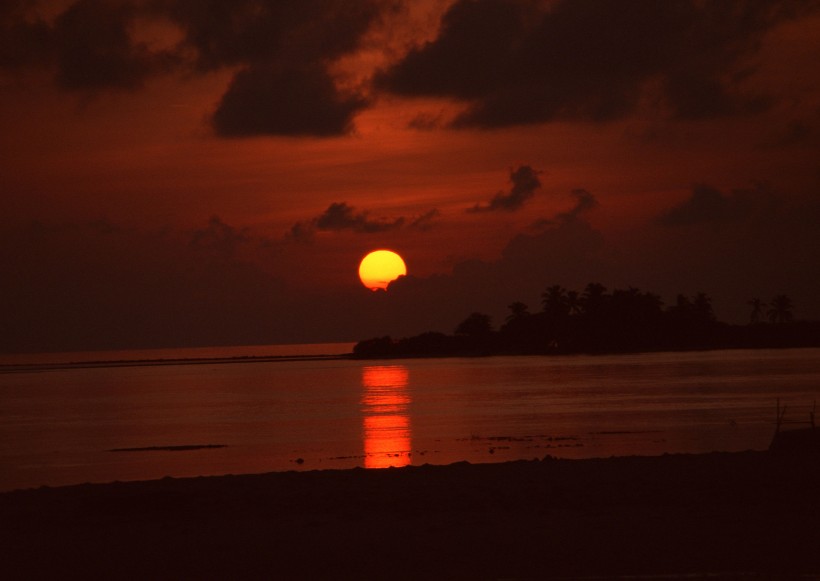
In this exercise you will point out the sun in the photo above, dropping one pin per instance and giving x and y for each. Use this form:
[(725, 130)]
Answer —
[(381, 267)]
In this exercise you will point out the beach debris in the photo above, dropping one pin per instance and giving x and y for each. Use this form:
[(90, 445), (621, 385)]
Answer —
[(795, 441)]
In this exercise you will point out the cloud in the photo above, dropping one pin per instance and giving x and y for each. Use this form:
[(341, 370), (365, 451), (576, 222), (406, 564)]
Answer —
[(340, 216), (708, 205), (24, 41), (240, 32), (584, 201), (425, 221), (265, 100), (220, 237), (284, 48), (508, 62), (89, 46), (524, 183), (95, 50), (528, 62), (281, 50)]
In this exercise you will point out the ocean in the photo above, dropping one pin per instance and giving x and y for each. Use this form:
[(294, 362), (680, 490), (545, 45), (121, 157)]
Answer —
[(75, 418)]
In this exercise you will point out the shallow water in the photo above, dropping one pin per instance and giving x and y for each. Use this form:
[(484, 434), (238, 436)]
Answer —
[(60, 426)]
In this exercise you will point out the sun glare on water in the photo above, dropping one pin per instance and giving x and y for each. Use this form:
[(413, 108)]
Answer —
[(381, 267)]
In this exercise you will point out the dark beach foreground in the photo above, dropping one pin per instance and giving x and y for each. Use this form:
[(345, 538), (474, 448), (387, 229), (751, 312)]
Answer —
[(738, 515)]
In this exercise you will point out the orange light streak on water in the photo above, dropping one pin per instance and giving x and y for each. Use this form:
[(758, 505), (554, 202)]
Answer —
[(386, 423)]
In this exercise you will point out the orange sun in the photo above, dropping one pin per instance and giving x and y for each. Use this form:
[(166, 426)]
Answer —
[(381, 267)]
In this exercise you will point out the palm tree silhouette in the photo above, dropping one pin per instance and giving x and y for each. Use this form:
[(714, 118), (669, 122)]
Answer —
[(702, 306), (573, 302), (554, 300), (757, 310), (594, 298), (518, 310), (476, 325), (780, 309)]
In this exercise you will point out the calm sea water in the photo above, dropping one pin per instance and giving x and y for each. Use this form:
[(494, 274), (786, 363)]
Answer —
[(72, 425)]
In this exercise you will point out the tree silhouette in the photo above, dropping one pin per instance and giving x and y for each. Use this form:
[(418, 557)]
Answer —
[(518, 310), (554, 301), (594, 298), (573, 303), (757, 310), (780, 309), (702, 308), (599, 321), (475, 325)]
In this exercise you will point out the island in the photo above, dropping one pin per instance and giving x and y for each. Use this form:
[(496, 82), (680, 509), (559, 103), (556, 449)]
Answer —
[(599, 321)]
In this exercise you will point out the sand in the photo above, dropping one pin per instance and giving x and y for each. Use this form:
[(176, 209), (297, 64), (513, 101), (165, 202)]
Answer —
[(738, 515)]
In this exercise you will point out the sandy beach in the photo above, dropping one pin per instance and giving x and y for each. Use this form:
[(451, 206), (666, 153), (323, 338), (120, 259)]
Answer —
[(739, 515)]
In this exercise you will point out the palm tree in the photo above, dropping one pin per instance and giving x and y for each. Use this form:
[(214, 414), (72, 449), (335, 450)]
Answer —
[(757, 310), (780, 309), (594, 300), (554, 301), (573, 302), (476, 325), (702, 306), (518, 310)]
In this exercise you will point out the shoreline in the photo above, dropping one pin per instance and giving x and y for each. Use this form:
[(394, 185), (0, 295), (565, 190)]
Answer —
[(36, 367), (720, 513), (8, 368)]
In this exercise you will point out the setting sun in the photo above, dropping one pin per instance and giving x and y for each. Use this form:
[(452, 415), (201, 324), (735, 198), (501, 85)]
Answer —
[(381, 267)]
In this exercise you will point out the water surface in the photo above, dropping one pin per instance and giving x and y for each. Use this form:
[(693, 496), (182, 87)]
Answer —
[(60, 426)]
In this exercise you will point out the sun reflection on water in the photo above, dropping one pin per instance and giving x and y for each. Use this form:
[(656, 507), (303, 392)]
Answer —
[(386, 421)]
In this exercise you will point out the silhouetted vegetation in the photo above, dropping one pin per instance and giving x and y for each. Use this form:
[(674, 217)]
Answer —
[(599, 321)]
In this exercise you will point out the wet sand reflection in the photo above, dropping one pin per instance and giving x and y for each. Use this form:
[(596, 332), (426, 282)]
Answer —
[(386, 421)]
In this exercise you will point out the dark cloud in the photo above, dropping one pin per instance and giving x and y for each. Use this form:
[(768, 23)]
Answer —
[(340, 216), (236, 32), (708, 205), (301, 232), (425, 221), (23, 41), (220, 237), (524, 183), (797, 132), (529, 62), (95, 51), (265, 100), (282, 50), (584, 201), (284, 87), (89, 46)]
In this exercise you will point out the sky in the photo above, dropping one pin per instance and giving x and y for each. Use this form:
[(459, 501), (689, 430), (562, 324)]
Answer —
[(198, 173)]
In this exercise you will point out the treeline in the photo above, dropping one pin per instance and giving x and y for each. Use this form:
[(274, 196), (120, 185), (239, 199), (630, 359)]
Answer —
[(599, 321)]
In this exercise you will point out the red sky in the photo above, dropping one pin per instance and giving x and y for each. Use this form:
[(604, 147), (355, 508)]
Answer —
[(178, 172)]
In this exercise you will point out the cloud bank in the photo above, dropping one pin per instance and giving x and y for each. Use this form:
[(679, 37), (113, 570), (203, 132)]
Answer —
[(527, 62), (509, 62)]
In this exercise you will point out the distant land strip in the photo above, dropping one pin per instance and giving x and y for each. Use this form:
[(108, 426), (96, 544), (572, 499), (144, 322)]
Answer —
[(183, 448), (36, 367)]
